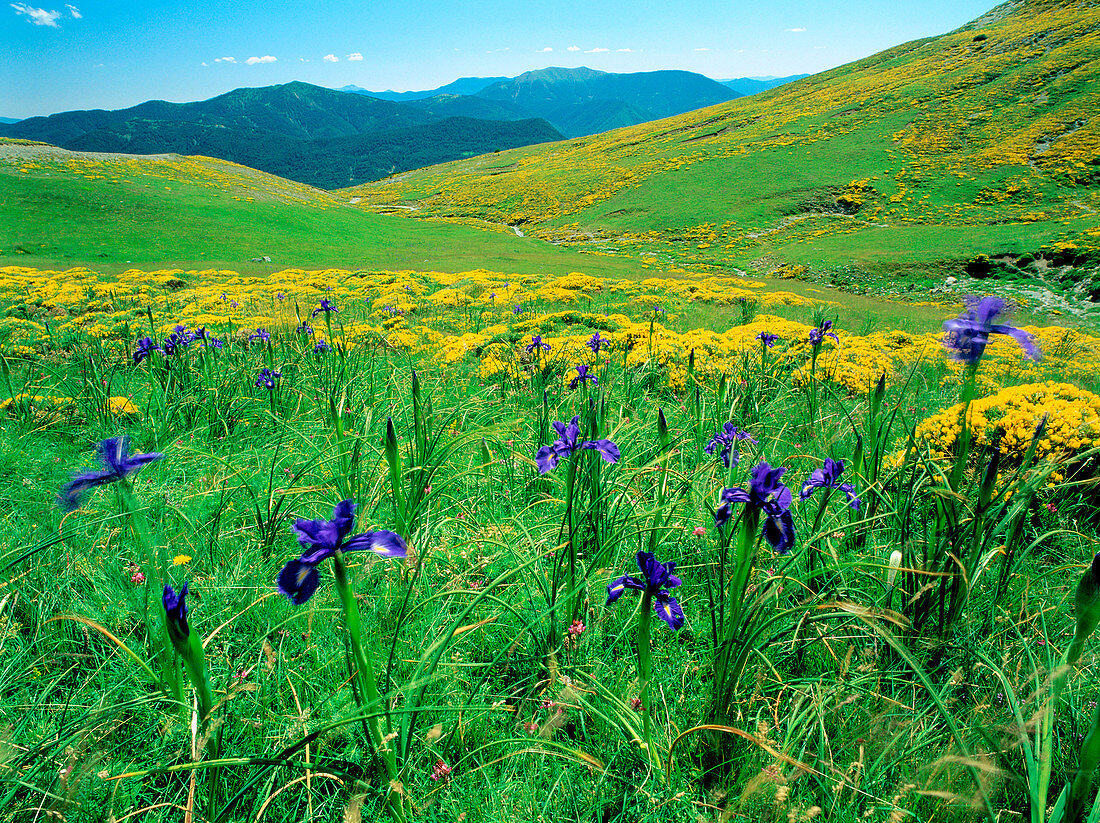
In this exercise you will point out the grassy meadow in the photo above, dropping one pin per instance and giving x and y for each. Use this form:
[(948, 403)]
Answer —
[(651, 476), (894, 662)]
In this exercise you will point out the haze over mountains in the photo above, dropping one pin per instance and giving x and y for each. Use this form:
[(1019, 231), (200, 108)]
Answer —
[(333, 138), (583, 101)]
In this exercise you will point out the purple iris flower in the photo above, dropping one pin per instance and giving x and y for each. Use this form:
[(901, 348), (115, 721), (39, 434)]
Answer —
[(304, 328), (827, 477), (320, 347), (548, 456), (325, 307), (321, 539), (517, 309), (180, 338), (768, 495), (536, 343), (260, 334), (595, 342), (143, 348), (582, 375), (175, 616), (280, 297), (818, 335), (724, 441), (968, 334), (767, 338), (656, 583), (114, 454), (267, 378)]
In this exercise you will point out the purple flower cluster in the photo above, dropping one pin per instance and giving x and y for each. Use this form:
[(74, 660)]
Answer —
[(818, 335), (144, 348), (582, 375), (114, 454), (536, 343), (595, 342), (321, 539), (768, 339), (180, 338), (657, 579), (175, 615), (966, 336), (724, 441), (325, 307), (828, 477), (267, 379), (768, 496), (548, 456)]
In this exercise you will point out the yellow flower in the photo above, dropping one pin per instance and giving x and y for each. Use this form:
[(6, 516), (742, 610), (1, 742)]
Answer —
[(181, 559)]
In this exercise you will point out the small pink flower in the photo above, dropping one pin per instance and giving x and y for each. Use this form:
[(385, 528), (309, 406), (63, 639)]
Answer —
[(636, 703), (577, 628), (531, 728), (1052, 508), (441, 771), (427, 490), (699, 531), (137, 578)]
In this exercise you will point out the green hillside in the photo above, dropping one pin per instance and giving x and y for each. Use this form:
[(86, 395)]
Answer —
[(60, 208), (917, 160), (299, 131)]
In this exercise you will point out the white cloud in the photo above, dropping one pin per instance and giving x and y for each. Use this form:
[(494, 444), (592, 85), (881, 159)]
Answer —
[(800, 28), (355, 57), (331, 58), (225, 59), (597, 50), (574, 48), (267, 58), (702, 48), (547, 49), (40, 17), (627, 51), (204, 62), (74, 11)]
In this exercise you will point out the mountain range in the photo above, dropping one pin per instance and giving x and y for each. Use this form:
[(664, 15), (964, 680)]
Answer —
[(745, 86), (306, 133), (339, 138), (582, 101)]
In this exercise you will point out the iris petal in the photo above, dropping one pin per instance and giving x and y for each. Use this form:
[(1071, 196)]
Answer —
[(298, 581), (668, 609), (607, 450), (619, 585), (384, 543)]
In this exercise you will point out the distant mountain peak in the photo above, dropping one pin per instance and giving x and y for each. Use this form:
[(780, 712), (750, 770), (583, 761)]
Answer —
[(559, 73)]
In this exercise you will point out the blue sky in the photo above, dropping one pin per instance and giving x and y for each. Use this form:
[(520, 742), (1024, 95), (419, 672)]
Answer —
[(117, 53)]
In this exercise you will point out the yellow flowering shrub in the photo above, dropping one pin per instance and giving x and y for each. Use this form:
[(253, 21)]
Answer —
[(1072, 415)]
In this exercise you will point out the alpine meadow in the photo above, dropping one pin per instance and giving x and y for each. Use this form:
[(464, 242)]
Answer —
[(740, 465)]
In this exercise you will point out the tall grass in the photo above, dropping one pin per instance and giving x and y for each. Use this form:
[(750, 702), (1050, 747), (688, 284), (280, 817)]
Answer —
[(481, 677)]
